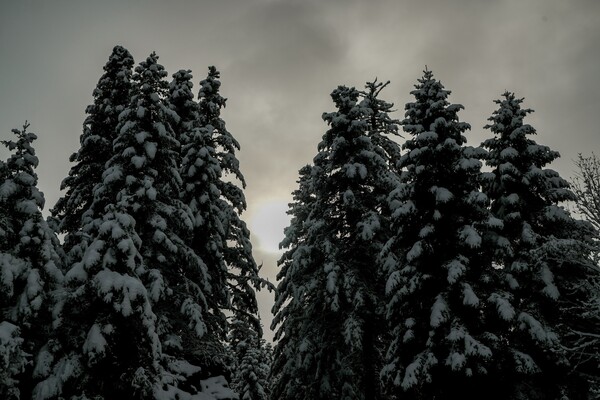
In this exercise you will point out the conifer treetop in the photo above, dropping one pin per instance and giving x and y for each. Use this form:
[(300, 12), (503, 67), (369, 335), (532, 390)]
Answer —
[(438, 274), (543, 259), (23, 161), (327, 303), (111, 96), (211, 102), (431, 111), (30, 266)]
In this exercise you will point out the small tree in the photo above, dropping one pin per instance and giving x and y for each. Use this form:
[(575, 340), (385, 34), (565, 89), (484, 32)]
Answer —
[(242, 276), (30, 266), (586, 186), (218, 236), (252, 362), (200, 173), (328, 303)]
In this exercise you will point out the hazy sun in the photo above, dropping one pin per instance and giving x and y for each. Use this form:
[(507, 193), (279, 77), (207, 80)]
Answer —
[(267, 223)]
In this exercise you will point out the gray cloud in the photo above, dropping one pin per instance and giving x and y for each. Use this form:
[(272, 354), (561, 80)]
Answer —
[(281, 59)]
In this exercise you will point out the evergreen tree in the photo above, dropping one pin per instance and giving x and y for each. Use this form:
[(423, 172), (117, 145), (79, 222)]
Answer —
[(13, 361), (134, 302), (242, 277), (327, 307), (201, 173), (439, 273), (251, 367), (546, 271), (30, 267), (217, 202), (181, 100), (111, 96)]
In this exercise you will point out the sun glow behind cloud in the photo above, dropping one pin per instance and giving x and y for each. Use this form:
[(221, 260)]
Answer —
[(267, 223)]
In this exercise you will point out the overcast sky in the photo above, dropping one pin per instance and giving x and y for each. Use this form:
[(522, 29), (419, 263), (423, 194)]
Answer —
[(281, 59)]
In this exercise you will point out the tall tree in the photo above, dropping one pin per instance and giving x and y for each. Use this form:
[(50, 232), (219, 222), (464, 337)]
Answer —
[(134, 301), (30, 267), (439, 273), (327, 308), (217, 200), (111, 96), (243, 275), (201, 174), (546, 270)]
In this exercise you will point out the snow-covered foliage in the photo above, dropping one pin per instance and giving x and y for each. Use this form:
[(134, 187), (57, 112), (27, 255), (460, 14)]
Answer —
[(252, 362), (13, 360), (436, 261), (412, 276), (30, 266), (218, 236), (111, 96), (242, 276), (546, 271), (136, 307), (157, 251), (328, 303)]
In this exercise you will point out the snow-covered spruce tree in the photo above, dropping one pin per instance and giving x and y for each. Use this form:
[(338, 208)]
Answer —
[(133, 303), (252, 362), (328, 302), (439, 272), (546, 272), (111, 96), (181, 100), (217, 202), (201, 173), (243, 272), (30, 267)]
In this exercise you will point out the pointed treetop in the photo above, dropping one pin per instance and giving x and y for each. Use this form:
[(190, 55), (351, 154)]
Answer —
[(119, 58), (23, 147), (24, 161), (344, 97), (511, 132), (428, 86), (510, 116), (209, 89), (182, 81), (149, 67), (431, 117), (181, 96)]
